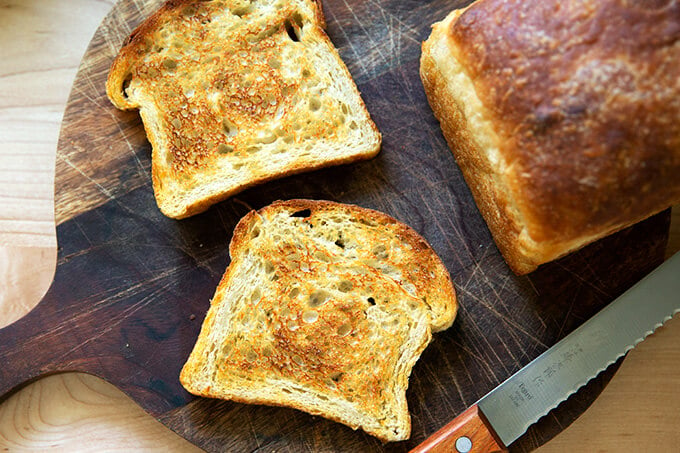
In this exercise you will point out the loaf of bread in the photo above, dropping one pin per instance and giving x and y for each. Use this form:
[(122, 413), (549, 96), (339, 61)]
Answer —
[(564, 116), (325, 307), (234, 93)]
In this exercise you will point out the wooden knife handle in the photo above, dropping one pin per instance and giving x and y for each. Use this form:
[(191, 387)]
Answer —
[(470, 432)]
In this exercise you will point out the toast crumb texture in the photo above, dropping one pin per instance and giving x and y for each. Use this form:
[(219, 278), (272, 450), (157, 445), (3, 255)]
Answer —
[(234, 93), (325, 307)]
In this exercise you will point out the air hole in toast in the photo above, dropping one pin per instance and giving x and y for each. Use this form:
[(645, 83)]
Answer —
[(314, 104), (340, 243), (335, 377), (223, 148), (292, 31), (297, 19), (345, 286), (256, 296), (302, 213), (255, 232), (274, 63), (371, 300), (298, 360), (169, 64), (266, 137), (318, 298), (408, 286), (251, 356), (344, 329), (321, 256), (380, 252), (294, 292), (126, 84), (310, 316), (189, 10), (367, 222), (229, 128), (242, 10)]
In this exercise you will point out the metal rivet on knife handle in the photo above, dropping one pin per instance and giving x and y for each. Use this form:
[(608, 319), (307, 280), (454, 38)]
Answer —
[(463, 444), (469, 430)]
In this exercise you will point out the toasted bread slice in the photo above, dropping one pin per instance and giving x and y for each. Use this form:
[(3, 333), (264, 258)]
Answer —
[(325, 307), (234, 93)]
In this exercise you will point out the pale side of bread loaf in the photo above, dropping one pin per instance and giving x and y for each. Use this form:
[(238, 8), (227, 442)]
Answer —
[(470, 133), (325, 307), (564, 117), (235, 93)]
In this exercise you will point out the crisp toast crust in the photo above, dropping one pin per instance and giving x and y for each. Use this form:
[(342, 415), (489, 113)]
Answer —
[(236, 93), (325, 307)]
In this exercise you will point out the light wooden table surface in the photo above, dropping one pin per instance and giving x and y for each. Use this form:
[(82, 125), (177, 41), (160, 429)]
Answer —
[(41, 43)]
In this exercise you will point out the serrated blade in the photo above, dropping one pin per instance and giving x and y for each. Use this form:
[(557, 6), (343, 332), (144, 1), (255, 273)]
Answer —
[(548, 380)]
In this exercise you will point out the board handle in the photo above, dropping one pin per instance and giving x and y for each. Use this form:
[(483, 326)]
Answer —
[(23, 353), (42, 342), (470, 432)]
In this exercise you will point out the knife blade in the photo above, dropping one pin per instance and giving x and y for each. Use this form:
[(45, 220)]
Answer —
[(505, 413)]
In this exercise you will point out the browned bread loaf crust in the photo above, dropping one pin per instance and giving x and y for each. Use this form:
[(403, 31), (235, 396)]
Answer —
[(564, 116), (325, 307)]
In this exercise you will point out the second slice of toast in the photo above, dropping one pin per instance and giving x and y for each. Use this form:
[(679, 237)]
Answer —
[(325, 307), (234, 93)]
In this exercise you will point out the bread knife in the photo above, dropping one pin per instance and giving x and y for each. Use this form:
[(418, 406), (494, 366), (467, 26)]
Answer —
[(505, 413)]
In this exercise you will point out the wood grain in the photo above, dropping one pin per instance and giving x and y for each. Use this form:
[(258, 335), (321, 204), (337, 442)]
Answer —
[(470, 425), (76, 385)]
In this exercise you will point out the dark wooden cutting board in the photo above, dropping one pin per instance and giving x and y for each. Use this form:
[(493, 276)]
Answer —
[(132, 286)]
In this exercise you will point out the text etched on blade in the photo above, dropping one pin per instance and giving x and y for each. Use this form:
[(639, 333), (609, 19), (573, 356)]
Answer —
[(523, 394)]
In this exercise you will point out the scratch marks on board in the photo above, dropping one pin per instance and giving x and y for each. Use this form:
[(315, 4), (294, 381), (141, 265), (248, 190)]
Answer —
[(101, 188), (141, 169), (74, 323), (357, 53), (385, 40), (503, 318)]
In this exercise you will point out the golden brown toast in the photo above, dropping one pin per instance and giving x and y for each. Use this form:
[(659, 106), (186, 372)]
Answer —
[(325, 307), (234, 93)]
